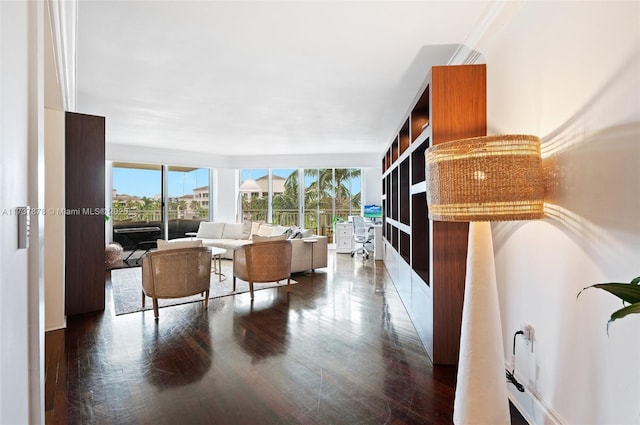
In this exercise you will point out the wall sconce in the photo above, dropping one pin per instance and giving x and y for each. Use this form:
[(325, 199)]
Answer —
[(247, 186), (479, 180)]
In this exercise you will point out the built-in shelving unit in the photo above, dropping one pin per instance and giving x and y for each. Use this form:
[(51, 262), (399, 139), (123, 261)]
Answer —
[(427, 260)]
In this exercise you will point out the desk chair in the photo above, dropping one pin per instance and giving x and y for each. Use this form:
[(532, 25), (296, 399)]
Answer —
[(362, 235)]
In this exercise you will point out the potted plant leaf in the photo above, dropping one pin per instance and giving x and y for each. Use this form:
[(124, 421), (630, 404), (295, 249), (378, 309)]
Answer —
[(629, 293)]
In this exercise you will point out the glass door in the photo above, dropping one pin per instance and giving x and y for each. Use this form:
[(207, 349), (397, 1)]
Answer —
[(136, 204), (254, 194), (138, 200), (285, 196), (188, 199)]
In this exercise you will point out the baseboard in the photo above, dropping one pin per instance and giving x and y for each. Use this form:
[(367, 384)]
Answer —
[(531, 405)]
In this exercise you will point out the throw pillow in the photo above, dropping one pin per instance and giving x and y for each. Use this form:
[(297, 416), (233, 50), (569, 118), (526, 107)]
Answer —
[(166, 245), (246, 229), (294, 232), (210, 230), (255, 226), (260, 239)]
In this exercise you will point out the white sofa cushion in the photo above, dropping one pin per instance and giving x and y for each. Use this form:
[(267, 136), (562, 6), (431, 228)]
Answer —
[(232, 231), (278, 230), (166, 245), (259, 239), (265, 230), (210, 230)]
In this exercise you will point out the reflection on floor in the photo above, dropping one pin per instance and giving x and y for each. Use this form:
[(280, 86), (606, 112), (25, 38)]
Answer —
[(337, 348)]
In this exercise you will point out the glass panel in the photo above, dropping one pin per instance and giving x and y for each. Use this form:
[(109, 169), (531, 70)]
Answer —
[(311, 199), (348, 193), (327, 190), (285, 197), (188, 199), (136, 204), (254, 202)]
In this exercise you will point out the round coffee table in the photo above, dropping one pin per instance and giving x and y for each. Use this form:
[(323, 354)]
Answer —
[(216, 254)]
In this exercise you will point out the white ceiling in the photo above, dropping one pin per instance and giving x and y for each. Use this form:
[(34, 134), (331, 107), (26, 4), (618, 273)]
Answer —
[(261, 78)]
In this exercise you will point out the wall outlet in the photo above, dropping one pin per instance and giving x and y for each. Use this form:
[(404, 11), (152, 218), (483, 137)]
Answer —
[(527, 334)]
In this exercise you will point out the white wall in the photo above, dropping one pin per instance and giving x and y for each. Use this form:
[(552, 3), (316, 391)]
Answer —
[(371, 186), (570, 73), (225, 197), (21, 122), (54, 246)]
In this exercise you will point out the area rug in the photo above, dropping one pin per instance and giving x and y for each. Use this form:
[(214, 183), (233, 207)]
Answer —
[(127, 289)]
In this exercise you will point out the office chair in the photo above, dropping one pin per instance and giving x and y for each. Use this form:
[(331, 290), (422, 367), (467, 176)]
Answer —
[(362, 235)]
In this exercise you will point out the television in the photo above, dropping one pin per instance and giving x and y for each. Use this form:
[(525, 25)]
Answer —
[(372, 211)]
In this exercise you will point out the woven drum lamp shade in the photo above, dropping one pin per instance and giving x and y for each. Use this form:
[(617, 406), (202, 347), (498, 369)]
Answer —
[(489, 178)]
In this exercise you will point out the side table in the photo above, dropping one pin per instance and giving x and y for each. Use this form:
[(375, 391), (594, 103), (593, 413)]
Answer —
[(216, 254), (312, 242)]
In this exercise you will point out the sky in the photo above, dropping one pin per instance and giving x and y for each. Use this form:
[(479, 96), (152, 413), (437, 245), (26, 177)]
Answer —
[(138, 182), (141, 182)]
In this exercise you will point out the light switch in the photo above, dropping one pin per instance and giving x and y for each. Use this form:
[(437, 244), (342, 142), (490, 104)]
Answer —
[(24, 226)]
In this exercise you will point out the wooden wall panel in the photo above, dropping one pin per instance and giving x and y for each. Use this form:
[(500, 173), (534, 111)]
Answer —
[(85, 202), (461, 90)]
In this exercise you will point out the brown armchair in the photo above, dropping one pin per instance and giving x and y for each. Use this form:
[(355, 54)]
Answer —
[(176, 273), (262, 262)]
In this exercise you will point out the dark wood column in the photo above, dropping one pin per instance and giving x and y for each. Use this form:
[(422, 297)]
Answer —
[(84, 202)]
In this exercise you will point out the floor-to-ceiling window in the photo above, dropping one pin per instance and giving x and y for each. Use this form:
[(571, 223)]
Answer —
[(326, 202), (348, 192), (188, 199), (329, 195), (311, 198), (137, 201), (285, 200), (254, 193)]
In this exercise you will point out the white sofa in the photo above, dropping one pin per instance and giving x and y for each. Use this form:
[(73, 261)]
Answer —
[(229, 236)]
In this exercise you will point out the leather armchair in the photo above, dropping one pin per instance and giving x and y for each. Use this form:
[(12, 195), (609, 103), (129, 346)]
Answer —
[(262, 262), (176, 273)]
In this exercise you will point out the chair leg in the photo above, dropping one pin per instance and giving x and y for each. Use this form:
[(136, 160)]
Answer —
[(143, 299), (155, 307), (234, 284), (251, 289), (206, 300), (288, 284)]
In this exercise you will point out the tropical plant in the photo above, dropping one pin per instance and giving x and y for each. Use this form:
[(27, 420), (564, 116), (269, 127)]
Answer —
[(629, 293)]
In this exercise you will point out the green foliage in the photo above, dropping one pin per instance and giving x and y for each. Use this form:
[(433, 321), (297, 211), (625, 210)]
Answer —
[(629, 293), (321, 194)]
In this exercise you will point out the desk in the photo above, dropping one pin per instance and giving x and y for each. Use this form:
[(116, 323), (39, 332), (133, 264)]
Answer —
[(377, 242), (145, 246), (344, 239), (130, 237), (136, 230)]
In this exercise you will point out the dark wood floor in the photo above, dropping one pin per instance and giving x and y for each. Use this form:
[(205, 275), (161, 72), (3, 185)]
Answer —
[(339, 348)]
